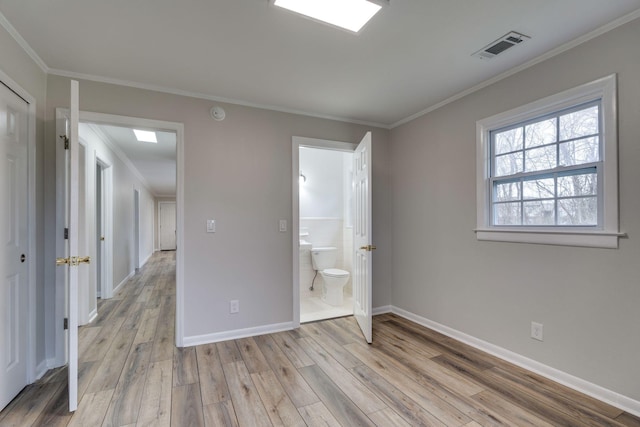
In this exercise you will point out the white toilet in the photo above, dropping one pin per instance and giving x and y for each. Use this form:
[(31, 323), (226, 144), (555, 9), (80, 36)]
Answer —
[(323, 259)]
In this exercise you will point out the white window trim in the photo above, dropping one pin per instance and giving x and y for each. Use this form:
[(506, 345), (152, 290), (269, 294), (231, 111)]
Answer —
[(605, 236)]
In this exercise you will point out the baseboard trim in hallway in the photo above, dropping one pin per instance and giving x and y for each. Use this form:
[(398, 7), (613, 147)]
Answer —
[(237, 334)]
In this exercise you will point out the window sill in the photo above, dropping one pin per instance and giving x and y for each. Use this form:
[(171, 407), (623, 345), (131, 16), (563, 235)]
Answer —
[(590, 239)]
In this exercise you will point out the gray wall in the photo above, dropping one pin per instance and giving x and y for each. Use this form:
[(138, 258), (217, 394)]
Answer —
[(587, 299), (238, 171), (16, 64)]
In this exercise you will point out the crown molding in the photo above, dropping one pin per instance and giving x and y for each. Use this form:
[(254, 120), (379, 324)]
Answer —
[(550, 54), (156, 88), (199, 95), (23, 43)]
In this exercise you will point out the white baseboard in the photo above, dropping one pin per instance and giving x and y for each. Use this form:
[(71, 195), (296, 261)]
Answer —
[(43, 367), (145, 260), (236, 334), (381, 310), (117, 288), (93, 315), (605, 395)]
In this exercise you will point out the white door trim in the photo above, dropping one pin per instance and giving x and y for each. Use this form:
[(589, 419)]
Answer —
[(178, 128), (297, 142), (106, 282), (32, 371)]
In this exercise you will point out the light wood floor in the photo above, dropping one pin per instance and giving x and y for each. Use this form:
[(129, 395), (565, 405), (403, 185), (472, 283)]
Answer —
[(322, 374)]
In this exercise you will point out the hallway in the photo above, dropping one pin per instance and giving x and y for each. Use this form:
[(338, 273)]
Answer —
[(125, 355)]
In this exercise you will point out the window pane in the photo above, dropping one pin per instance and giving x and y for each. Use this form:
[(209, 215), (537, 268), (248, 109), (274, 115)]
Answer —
[(507, 191), (539, 212), (579, 123), (540, 133), (539, 189), (579, 151), (507, 141), (542, 158), (508, 164), (578, 185), (506, 214), (579, 211)]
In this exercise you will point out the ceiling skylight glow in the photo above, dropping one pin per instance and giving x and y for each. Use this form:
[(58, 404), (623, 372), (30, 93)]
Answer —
[(145, 136), (351, 15)]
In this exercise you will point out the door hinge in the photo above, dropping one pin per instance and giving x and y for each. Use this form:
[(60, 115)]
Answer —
[(66, 234), (65, 138), (66, 323)]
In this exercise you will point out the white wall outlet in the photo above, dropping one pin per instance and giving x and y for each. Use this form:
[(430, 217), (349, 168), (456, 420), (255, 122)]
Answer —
[(283, 225), (234, 306), (211, 226), (536, 331)]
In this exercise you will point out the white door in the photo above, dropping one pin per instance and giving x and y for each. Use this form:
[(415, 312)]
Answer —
[(13, 246), (167, 226), (71, 261), (362, 272)]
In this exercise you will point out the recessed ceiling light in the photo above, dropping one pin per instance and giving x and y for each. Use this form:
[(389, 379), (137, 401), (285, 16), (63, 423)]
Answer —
[(351, 15), (145, 136)]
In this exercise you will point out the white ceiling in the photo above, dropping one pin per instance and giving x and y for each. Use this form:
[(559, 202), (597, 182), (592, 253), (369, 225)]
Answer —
[(155, 164), (413, 55)]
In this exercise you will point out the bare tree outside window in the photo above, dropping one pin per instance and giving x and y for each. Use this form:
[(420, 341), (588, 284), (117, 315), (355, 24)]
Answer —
[(544, 171)]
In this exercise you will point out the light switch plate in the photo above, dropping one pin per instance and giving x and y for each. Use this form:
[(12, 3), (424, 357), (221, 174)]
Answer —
[(211, 226), (283, 225)]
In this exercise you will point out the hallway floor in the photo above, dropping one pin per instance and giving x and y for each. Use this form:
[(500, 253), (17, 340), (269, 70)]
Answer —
[(322, 374)]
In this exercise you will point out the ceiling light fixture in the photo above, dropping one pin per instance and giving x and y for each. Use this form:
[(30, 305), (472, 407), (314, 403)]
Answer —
[(145, 136), (351, 15)]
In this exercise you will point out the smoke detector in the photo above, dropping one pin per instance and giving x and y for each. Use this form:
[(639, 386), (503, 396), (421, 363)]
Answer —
[(505, 42)]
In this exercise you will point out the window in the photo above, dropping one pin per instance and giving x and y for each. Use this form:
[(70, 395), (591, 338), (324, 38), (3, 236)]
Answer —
[(547, 171)]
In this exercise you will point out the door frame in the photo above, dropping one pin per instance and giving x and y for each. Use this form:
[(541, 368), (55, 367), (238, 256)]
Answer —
[(106, 256), (128, 121), (297, 142), (34, 370), (136, 229)]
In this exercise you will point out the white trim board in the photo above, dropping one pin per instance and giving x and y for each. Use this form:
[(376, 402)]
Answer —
[(129, 276), (605, 395), (237, 334)]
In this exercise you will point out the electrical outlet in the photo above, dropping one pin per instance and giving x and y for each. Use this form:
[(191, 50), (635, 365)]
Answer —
[(536, 331), (234, 306)]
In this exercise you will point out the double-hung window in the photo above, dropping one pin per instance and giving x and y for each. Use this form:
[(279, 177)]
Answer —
[(547, 171)]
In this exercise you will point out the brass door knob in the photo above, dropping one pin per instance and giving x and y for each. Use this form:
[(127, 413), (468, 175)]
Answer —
[(83, 260), (368, 248)]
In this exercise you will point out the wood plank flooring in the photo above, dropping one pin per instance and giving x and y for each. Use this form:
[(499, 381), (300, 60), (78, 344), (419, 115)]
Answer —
[(322, 374)]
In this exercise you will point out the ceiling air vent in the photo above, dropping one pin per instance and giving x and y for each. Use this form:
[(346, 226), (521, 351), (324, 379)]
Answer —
[(505, 42)]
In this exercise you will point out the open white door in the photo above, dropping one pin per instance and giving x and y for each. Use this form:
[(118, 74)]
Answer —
[(362, 271), (71, 261)]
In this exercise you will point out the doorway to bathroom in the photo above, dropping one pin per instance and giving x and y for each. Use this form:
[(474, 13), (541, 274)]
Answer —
[(325, 229)]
